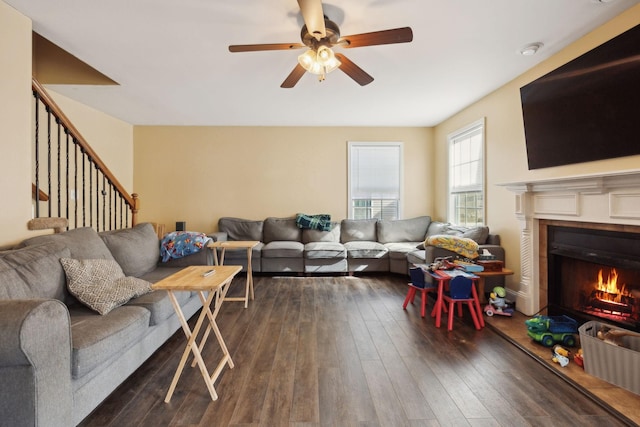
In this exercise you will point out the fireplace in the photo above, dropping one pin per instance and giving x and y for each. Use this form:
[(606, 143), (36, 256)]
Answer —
[(594, 274), (607, 202)]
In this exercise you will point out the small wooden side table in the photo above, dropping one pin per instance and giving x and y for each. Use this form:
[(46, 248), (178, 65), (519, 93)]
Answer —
[(237, 244), (216, 284), (482, 275)]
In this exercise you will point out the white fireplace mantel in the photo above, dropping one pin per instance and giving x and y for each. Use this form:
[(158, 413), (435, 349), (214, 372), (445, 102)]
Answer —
[(610, 198)]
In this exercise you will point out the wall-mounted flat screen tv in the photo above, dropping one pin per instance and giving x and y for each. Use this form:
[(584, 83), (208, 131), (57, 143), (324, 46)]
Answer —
[(588, 109)]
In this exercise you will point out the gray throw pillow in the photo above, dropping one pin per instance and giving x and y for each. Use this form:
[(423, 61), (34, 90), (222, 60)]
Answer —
[(281, 229), (136, 249), (241, 229), (358, 230), (84, 243)]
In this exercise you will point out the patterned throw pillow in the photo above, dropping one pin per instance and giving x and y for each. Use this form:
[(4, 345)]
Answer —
[(100, 284)]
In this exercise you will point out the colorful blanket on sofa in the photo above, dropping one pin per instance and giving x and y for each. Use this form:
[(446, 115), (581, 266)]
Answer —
[(461, 245), (178, 244)]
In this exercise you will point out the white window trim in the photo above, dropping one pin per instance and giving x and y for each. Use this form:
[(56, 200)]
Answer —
[(459, 133), (350, 213)]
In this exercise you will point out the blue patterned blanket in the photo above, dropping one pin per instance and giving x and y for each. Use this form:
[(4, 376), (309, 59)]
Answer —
[(181, 243)]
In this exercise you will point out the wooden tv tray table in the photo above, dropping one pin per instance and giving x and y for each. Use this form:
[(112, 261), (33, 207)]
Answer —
[(236, 244), (217, 285)]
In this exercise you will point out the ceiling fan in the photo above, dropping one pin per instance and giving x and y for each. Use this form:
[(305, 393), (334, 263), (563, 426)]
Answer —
[(319, 34)]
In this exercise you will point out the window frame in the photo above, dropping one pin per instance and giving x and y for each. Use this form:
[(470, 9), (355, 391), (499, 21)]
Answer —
[(456, 137), (397, 144)]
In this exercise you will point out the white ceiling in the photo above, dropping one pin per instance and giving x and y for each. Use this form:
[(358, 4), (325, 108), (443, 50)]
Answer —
[(171, 60)]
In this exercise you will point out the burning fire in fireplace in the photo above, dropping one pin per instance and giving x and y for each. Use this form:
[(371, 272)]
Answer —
[(610, 298)]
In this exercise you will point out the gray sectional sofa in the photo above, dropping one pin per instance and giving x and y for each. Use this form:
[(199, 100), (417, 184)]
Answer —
[(348, 246), (58, 358)]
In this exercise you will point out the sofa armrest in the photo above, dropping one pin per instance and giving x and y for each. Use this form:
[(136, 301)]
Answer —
[(218, 236), (433, 252), (35, 363), (493, 239)]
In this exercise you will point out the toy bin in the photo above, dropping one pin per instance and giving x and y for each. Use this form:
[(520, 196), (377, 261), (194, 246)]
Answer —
[(618, 365)]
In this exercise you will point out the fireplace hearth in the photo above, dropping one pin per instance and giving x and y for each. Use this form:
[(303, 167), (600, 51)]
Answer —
[(594, 275)]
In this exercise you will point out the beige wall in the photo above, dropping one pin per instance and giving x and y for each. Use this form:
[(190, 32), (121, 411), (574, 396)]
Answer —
[(199, 174), (110, 138), (15, 114), (505, 142)]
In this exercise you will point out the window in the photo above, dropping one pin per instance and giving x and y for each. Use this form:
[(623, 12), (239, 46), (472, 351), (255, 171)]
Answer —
[(375, 180), (466, 175)]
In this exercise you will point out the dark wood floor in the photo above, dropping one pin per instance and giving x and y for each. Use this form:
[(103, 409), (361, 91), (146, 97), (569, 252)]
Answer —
[(340, 351)]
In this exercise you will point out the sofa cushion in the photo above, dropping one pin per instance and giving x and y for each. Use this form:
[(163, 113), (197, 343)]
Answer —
[(365, 249), (399, 250), (241, 229), (282, 249), (97, 339), (100, 284), (437, 227), (160, 273), (331, 235), (403, 230), (84, 243), (136, 249), (358, 230), (478, 234), (34, 272), (323, 250), (12, 286), (281, 229), (159, 304)]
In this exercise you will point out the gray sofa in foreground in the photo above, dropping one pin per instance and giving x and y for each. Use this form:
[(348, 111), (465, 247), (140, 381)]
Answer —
[(58, 358), (348, 246)]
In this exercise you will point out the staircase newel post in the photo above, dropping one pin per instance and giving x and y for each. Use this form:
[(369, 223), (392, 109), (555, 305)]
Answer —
[(134, 209)]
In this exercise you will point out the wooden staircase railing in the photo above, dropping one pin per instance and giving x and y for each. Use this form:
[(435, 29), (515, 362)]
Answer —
[(74, 183)]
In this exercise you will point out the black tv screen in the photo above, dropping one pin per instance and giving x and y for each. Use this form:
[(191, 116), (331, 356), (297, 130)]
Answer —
[(588, 109)]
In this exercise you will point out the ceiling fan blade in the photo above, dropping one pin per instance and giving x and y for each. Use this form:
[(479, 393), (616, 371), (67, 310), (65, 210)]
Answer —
[(396, 35), (259, 47), (313, 17), (352, 70), (293, 78)]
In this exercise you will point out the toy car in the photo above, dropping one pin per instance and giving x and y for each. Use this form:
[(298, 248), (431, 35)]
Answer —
[(490, 310), (549, 330), (497, 303)]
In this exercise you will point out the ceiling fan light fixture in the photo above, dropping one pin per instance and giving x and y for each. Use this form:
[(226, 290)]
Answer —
[(319, 62)]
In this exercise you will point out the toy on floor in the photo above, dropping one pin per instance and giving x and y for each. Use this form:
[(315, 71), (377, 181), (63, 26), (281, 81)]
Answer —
[(578, 358), (549, 330), (560, 355), (497, 303)]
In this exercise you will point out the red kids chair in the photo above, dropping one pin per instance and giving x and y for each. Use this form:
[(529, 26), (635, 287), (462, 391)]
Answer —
[(461, 291), (418, 284)]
